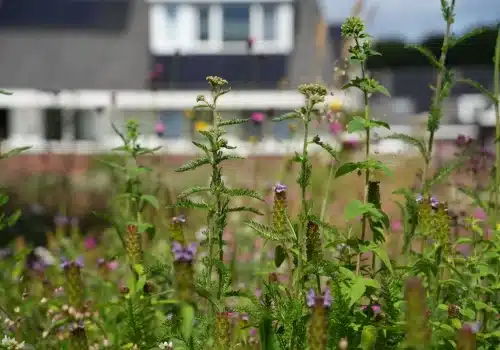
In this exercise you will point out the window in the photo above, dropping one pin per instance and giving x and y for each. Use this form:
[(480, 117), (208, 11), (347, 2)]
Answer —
[(172, 22), (253, 130), (236, 19), (269, 11), (285, 129), (204, 12), (53, 124), (73, 124), (4, 124), (84, 125), (173, 122)]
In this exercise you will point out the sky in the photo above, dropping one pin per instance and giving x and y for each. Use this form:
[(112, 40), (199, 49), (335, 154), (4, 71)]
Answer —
[(413, 20)]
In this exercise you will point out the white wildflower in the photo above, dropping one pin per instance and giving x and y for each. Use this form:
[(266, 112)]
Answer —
[(166, 346)]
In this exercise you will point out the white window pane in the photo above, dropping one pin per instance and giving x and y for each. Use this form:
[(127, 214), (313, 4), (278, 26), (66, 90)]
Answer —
[(203, 13), (236, 22), (173, 122), (172, 22), (282, 130), (269, 21)]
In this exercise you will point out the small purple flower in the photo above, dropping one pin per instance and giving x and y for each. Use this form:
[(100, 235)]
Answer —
[(376, 309), (279, 187), (185, 254), (311, 298), (326, 298), (179, 219), (100, 261), (434, 201), (245, 317), (38, 266), (67, 263)]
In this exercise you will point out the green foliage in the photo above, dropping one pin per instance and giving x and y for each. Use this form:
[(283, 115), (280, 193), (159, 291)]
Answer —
[(326, 287)]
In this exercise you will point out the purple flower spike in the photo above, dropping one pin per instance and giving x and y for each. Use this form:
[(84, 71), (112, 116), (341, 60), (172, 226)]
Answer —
[(179, 219), (67, 263), (376, 309), (311, 298), (185, 254), (279, 187), (79, 261), (327, 298)]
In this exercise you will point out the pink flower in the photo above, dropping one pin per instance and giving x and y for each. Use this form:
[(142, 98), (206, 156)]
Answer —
[(90, 243), (336, 127), (160, 128), (258, 117), (480, 214), (396, 225), (113, 265)]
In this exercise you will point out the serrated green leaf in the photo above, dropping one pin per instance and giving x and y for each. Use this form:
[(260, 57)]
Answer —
[(193, 164), (14, 152), (427, 53), (242, 192), (316, 140), (264, 231), (245, 208), (456, 41), (418, 143), (201, 146), (233, 121), (479, 87), (287, 116), (193, 190), (228, 157), (346, 168), (187, 203)]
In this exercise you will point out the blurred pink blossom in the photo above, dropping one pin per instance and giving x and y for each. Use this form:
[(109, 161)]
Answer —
[(258, 117), (480, 214), (396, 225), (90, 243), (113, 265), (160, 128), (336, 127)]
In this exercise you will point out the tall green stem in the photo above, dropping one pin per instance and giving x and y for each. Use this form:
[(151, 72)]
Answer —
[(436, 101), (367, 155)]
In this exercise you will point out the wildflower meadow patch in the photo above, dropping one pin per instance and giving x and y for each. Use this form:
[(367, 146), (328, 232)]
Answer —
[(153, 280)]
